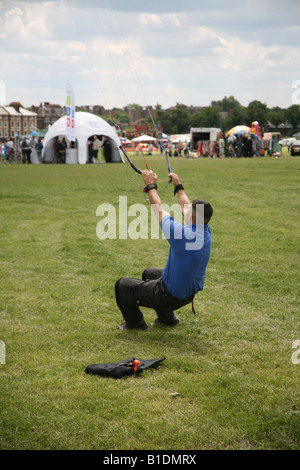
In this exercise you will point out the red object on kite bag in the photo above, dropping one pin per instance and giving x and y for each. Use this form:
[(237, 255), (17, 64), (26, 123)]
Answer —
[(123, 368)]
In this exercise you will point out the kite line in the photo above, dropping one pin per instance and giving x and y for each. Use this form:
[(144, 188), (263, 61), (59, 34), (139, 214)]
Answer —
[(135, 76), (117, 128)]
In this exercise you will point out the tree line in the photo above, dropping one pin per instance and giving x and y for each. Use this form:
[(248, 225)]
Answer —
[(179, 120)]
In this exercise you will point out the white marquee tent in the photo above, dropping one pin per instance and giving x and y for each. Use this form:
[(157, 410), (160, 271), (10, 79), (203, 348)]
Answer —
[(87, 125), (177, 138), (144, 138)]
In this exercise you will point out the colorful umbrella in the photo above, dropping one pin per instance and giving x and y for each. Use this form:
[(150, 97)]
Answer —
[(238, 130)]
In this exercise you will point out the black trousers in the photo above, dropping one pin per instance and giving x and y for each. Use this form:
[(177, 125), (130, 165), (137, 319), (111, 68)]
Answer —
[(26, 155), (150, 292)]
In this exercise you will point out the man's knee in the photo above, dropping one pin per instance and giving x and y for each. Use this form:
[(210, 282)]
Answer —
[(151, 273), (117, 284), (125, 287), (144, 275)]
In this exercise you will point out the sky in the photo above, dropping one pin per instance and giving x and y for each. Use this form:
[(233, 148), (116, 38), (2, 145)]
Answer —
[(116, 52)]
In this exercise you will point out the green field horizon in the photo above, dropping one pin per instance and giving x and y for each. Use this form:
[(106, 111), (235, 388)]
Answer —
[(230, 380)]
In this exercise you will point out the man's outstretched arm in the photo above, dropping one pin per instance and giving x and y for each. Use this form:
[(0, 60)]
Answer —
[(149, 178), (183, 200)]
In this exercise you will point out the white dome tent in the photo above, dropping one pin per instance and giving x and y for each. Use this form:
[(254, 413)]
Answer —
[(87, 125)]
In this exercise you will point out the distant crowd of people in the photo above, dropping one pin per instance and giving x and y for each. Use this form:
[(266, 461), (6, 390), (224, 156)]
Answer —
[(232, 147), (29, 150), (59, 150), (173, 150), (23, 151), (99, 149)]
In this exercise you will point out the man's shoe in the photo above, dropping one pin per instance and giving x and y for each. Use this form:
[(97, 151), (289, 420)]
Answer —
[(138, 326), (172, 322)]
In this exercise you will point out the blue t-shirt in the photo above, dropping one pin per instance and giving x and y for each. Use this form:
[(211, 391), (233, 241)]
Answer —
[(189, 254)]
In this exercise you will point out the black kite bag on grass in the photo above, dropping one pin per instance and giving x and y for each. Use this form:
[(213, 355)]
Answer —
[(123, 368)]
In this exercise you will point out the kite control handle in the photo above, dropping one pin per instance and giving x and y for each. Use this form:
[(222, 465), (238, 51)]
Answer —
[(136, 364)]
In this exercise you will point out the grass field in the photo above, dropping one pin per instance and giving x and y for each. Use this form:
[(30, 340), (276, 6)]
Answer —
[(228, 381)]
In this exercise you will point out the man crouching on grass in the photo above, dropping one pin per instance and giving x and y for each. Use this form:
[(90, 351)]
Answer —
[(166, 290)]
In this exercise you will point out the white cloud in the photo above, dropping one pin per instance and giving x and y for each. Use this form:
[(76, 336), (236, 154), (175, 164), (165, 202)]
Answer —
[(166, 52), (201, 37), (25, 24), (152, 21), (172, 90), (115, 49)]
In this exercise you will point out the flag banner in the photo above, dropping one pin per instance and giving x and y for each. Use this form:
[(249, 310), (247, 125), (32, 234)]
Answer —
[(70, 113)]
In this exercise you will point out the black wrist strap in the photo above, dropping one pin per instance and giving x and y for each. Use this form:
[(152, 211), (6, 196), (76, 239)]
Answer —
[(177, 188), (150, 186)]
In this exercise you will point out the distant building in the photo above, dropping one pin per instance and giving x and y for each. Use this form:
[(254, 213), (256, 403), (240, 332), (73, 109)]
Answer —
[(284, 128), (94, 109), (15, 120), (47, 114), (138, 113), (190, 109)]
